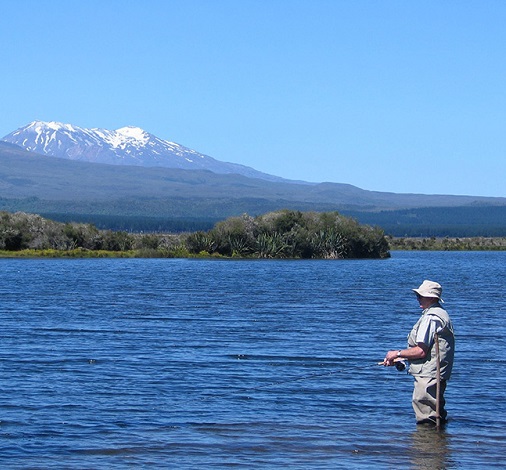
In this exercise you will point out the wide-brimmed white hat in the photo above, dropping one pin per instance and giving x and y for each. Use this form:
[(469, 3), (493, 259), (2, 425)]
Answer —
[(430, 289)]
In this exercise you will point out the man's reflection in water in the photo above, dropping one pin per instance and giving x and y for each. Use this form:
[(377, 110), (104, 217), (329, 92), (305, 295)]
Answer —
[(429, 448)]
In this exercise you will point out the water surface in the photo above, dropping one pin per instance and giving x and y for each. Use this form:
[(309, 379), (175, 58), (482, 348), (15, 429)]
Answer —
[(255, 364)]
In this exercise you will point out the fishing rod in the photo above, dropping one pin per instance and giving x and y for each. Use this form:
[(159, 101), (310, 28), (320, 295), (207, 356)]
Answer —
[(399, 363)]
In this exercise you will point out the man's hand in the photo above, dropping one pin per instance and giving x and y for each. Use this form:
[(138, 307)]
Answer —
[(390, 358)]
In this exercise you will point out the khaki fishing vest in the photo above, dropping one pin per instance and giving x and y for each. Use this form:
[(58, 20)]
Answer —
[(427, 366)]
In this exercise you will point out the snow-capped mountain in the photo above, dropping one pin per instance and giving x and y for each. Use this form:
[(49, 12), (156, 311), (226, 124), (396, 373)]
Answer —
[(126, 146)]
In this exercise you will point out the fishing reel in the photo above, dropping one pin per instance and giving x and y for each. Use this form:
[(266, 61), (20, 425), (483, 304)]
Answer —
[(400, 365)]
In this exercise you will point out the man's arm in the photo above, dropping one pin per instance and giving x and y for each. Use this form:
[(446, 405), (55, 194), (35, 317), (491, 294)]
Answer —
[(416, 352)]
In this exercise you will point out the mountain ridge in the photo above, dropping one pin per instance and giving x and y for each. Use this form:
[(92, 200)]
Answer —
[(56, 178), (129, 145)]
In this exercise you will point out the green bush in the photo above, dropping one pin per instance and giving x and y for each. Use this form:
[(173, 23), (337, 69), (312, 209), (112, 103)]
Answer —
[(291, 234), (280, 234)]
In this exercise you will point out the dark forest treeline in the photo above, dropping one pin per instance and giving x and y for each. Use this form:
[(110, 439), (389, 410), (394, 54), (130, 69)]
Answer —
[(280, 234), (138, 223), (418, 223), (429, 222), (151, 215)]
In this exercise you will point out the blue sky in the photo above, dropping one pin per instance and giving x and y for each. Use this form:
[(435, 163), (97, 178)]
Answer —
[(398, 96)]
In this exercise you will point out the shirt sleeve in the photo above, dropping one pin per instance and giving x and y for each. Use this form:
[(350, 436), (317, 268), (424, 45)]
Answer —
[(426, 330)]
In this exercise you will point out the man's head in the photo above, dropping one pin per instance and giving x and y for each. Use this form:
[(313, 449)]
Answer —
[(429, 292)]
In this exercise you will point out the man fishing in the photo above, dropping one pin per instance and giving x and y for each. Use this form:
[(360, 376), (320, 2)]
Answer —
[(431, 345)]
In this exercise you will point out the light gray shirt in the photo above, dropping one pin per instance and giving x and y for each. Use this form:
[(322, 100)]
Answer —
[(434, 319)]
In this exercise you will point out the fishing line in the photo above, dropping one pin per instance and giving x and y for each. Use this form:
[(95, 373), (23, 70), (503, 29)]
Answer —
[(299, 378)]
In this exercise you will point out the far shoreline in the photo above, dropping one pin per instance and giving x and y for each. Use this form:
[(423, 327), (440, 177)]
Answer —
[(395, 244), (446, 243)]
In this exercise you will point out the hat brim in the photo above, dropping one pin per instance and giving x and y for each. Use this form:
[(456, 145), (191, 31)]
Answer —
[(428, 294)]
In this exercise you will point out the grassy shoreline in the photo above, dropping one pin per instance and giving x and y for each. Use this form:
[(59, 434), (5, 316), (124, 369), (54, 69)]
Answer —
[(447, 243), (395, 244)]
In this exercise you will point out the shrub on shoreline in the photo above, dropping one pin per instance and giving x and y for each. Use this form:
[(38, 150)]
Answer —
[(281, 234), (291, 235)]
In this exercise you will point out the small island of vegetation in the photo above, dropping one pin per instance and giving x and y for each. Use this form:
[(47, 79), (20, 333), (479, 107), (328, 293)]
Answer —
[(283, 234)]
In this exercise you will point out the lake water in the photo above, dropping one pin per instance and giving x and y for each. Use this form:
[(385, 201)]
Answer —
[(254, 364)]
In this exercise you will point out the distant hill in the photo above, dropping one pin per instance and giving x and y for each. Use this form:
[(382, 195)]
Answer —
[(153, 197)]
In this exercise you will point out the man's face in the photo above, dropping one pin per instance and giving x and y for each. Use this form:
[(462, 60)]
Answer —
[(425, 302)]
